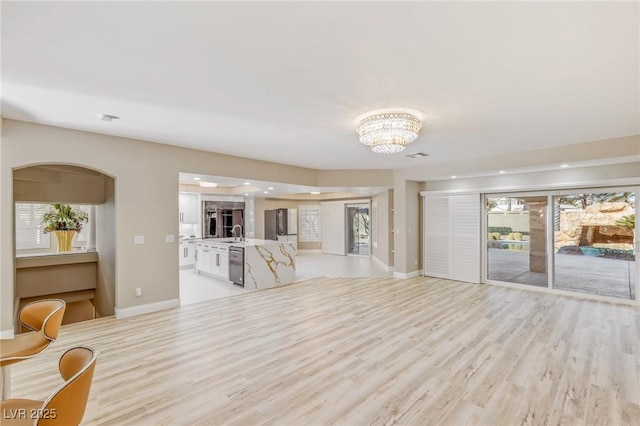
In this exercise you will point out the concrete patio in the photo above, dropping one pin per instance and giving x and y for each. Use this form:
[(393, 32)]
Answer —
[(582, 274)]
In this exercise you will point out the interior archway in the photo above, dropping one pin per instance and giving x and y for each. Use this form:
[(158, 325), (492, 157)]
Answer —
[(85, 277)]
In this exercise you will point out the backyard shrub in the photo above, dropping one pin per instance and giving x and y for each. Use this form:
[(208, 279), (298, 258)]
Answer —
[(503, 230)]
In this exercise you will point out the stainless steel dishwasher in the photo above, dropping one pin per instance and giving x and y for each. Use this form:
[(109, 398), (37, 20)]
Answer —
[(236, 265)]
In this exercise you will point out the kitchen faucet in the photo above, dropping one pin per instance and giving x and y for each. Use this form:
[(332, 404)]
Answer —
[(233, 232)]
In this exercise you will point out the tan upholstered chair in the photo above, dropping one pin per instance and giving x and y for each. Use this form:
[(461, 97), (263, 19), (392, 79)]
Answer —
[(44, 317), (65, 406)]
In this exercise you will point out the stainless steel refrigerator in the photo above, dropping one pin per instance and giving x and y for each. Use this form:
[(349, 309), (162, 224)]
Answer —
[(280, 222)]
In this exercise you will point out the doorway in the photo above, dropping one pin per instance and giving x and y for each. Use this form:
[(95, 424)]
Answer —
[(358, 230)]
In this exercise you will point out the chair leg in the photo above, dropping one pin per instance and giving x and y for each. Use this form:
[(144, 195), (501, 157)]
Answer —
[(6, 382)]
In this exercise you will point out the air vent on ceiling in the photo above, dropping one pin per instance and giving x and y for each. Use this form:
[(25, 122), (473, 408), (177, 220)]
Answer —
[(417, 155)]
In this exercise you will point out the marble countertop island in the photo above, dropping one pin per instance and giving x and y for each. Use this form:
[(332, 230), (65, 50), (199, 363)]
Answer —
[(267, 263)]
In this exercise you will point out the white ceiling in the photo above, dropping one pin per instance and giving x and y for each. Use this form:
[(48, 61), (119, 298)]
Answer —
[(284, 81), (264, 189)]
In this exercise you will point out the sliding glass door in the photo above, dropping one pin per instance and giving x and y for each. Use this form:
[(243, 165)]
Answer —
[(580, 241), (594, 243), (358, 229), (517, 239)]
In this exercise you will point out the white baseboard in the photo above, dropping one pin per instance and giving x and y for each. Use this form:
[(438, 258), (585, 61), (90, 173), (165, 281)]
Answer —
[(382, 264), (146, 309), (6, 334), (407, 275), (309, 251)]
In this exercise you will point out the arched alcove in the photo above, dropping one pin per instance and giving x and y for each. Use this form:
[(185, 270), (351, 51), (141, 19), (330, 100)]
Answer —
[(85, 277)]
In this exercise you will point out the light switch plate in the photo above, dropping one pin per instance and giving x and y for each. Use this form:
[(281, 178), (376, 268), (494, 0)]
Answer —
[(138, 239), (169, 238)]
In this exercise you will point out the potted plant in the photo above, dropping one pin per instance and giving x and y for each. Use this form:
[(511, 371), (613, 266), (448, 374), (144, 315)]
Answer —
[(65, 221)]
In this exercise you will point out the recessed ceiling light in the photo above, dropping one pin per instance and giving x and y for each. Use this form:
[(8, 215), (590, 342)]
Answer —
[(314, 192), (564, 165), (208, 184), (271, 188), (108, 117), (266, 192), (453, 176), (196, 178), (502, 172), (246, 195), (247, 183)]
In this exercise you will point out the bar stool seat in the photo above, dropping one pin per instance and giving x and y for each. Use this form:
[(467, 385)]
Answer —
[(67, 404), (44, 317)]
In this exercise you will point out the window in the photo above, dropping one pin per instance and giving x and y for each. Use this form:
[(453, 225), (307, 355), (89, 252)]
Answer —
[(309, 224), (29, 228), (83, 235)]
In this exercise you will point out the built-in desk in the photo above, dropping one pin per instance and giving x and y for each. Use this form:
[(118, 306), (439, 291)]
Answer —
[(67, 276)]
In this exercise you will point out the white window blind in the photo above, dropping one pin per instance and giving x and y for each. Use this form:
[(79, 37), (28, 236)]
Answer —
[(452, 237), (465, 237), (29, 228), (309, 219), (436, 237)]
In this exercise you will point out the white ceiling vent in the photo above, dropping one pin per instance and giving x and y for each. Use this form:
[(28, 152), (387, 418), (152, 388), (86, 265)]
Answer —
[(417, 155)]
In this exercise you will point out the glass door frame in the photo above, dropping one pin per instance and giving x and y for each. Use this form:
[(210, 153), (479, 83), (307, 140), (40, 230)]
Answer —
[(349, 226), (550, 252), (597, 190), (485, 232)]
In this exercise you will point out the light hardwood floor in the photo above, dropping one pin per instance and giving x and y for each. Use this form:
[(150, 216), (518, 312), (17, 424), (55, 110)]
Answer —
[(356, 351)]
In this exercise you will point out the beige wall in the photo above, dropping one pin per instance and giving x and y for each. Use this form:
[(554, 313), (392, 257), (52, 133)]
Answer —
[(105, 299), (338, 178), (136, 166), (406, 204), (58, 184), (382, 251)]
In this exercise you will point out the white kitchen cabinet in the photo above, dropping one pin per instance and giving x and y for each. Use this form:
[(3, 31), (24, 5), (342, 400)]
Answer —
[(213, 259), (223, 267), (188, 208), (186, 253), (203, 258)]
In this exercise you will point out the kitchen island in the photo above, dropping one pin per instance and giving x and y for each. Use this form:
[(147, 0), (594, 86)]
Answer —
[(267, 263)]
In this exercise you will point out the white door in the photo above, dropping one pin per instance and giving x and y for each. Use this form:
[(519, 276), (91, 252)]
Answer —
[(333, 228), (452, 237)]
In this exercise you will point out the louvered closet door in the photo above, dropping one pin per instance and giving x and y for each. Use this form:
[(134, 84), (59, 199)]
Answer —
[(465, 237), (452, 237), (437, 239)]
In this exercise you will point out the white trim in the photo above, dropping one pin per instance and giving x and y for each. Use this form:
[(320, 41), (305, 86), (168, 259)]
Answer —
[(407, 275), (565, 293), (7, 334), (382, 264), (147, 309), (310, 251)]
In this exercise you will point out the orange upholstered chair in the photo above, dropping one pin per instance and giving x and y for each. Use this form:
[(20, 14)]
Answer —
[(65, 406), (44, 317)]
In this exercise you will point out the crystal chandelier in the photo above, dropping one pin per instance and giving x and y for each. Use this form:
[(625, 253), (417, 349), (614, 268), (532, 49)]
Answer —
[(388, 132)]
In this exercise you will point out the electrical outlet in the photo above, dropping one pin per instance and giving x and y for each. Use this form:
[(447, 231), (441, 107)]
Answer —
[(138, 239), (138, 292), (169, 238)]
